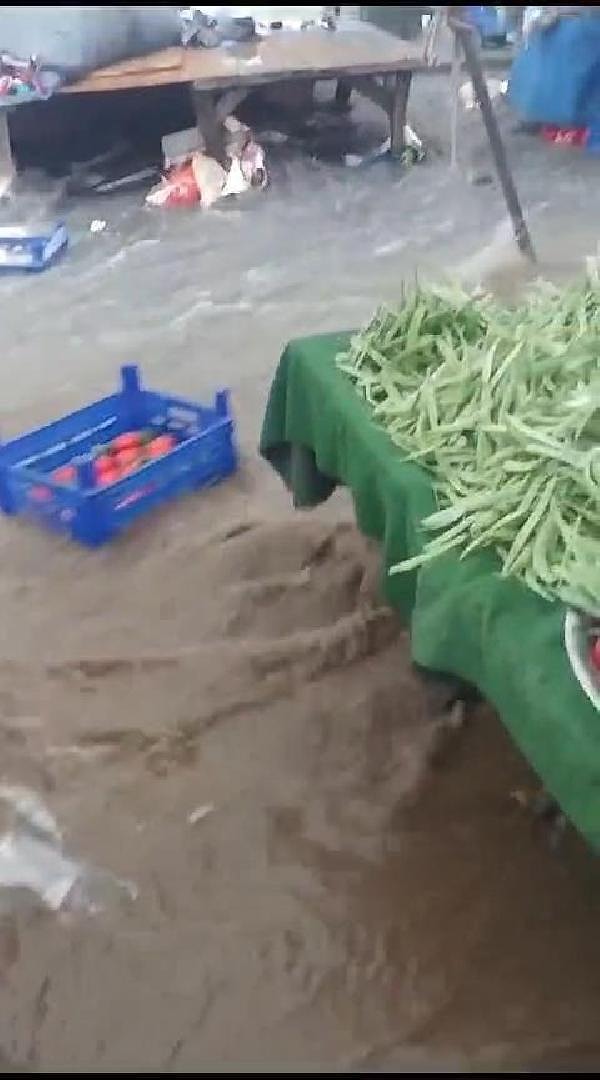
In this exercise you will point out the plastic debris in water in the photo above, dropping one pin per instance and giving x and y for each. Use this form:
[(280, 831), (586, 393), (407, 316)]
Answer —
[(29, 810), (413, 151), (199, 813), (30, 863), (496, 88), (32, 858)]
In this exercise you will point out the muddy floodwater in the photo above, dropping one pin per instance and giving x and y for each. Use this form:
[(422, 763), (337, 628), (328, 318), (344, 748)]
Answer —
[(287, 862)]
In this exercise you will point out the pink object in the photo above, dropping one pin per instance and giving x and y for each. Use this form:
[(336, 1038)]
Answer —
[(574, 136)]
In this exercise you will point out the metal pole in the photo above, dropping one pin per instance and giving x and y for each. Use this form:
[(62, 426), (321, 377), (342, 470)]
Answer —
[(7, 168), (454, 90), (465, 36)]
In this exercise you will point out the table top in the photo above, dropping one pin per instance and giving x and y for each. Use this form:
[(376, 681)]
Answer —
[(465, 619), (354, 48)]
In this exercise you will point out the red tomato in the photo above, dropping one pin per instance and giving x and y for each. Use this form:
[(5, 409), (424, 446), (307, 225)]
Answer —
[(127, 441), (595, 654), (103, 464), (109, 476), (129, 458), (67, 474), (106, 470), (161, 445)]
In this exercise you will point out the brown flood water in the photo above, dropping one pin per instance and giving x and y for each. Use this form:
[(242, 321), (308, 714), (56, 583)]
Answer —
[(219, 710), (360, 891)]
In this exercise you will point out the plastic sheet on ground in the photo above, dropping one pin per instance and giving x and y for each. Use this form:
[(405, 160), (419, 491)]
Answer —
[(32, 858)]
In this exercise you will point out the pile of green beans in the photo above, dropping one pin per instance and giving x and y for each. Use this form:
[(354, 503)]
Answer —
[(502, 406)]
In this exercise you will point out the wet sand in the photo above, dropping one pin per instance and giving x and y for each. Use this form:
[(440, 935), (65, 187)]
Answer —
[(220, 710)]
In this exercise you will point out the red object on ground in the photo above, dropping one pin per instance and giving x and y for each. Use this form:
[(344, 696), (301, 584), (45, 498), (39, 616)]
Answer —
[(573, 136), (595, 654)]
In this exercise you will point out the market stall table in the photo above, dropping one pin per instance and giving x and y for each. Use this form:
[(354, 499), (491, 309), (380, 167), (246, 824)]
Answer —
[(357, 55), (465, 620)]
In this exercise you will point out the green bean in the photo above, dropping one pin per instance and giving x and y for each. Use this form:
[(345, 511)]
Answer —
[(503, 408)]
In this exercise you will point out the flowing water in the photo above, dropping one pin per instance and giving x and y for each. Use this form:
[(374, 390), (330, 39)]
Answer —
[(219, 711)]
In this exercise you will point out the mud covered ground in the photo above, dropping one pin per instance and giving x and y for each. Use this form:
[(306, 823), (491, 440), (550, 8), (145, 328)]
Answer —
[(219, 710)]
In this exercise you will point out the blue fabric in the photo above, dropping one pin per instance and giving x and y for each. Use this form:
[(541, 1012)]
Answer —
[(490, 21), (555, 77)]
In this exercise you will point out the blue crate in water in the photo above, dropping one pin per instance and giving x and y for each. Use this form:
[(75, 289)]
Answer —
[(204, 454), (22, 248)]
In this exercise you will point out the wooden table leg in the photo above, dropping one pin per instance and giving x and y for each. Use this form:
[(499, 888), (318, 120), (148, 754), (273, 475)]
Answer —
[(343, 93), (209, 124), (229, 101), (7, 168), (398, 112)]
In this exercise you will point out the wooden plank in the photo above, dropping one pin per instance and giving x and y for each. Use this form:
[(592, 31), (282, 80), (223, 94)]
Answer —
[(165, 60), (352, 49)]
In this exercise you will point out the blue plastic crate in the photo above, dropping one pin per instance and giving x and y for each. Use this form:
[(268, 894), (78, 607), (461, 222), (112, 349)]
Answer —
[(93, 515), (25, 248)]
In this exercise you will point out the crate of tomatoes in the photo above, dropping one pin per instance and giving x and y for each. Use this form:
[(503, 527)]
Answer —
[(93, 472)]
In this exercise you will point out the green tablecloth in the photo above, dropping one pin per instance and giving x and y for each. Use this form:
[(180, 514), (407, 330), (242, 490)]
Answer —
[(465, 620)]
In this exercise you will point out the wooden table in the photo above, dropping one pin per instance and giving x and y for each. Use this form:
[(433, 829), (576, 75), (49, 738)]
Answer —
[(357, 55)]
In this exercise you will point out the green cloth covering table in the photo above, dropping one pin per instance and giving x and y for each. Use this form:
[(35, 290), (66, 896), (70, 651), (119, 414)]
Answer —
[(465, 619)]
